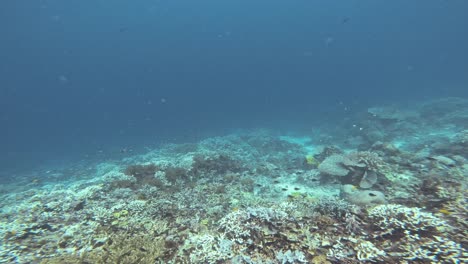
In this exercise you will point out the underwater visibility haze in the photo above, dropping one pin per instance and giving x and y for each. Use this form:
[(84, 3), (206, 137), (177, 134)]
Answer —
[(220, 131)]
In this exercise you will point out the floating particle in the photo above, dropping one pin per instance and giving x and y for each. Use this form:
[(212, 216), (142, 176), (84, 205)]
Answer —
[(63, 79)]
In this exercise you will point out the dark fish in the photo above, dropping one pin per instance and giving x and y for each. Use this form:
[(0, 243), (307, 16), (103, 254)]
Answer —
[(345, 20), (125, 150)]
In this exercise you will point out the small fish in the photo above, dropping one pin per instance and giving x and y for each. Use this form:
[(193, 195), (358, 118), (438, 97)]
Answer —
[(445, 211), (125, 150), (143, 249), (328, 41), (345, 20)]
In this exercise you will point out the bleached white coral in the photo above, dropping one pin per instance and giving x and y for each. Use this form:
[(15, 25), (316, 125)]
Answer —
[(290, 257), (390, 217), (423, 233), (435, 250), (207, 248), (137, 205), (339, 251), (233, 225), (101, 214), (236, 225), (332, 206), (267, 214), (118, 176), (366, 251), (87, 192)]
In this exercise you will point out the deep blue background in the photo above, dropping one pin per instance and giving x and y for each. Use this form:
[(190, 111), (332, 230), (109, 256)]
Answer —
[(81, 78)]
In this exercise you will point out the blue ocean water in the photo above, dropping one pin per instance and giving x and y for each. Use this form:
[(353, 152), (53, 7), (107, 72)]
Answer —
[(79, 77)]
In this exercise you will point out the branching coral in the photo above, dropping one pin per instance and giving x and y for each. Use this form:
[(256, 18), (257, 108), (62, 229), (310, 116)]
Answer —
[(368, 160), (333, 207), (238, 225), (141, 171), (366, 251), (118, 248), (393, 219), (144, 175), (207, 248), (173, 174), (213, 164), (420, 235)]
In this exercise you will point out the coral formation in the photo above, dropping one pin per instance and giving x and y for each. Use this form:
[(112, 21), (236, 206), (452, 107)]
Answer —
[(393, 192), (361, 197), (420, 235)]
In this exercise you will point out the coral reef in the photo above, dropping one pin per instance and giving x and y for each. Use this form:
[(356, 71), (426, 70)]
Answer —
[(361, 197), (391, 192), (419, 235), (361, 168)]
